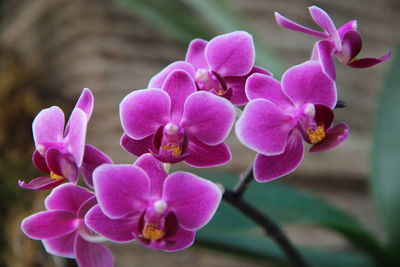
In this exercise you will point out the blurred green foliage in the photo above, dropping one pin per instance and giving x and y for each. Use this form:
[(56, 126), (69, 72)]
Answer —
[(189, 19), (385, 178)]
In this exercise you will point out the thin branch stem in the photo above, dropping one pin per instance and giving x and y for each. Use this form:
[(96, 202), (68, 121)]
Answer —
[(341, 104), (244, 182), (269, 226)]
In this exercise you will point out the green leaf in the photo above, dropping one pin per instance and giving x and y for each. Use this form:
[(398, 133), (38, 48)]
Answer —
[(386, 155), (255, 245), (288, 205)]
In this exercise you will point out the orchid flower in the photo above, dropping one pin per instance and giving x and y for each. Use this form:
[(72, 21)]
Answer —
[(345, 42), (280, 115), (143, 202), (62, 228), (220, 66), (177, 123), (59, 152)]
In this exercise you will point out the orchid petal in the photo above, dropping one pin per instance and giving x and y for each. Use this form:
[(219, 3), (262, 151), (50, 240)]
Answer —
[(264, 86), (231, 54), (202, 155), (208, 117), (179, 85), (348, 26), (92, 158), (40, 183), (61, 165), (195, 54), (62, 246), (352, 44), (333, 138), (85, 102), (143, 111), (325, 56), (155, 171), (237, 84), (121, 189), (136, 147), (291, 25), (267, 168), (48, 127), (158, 80), (118, 230), (369, 61), (322, 19), (307, 83), (193, 200), (181, 240), (68, 197), (90, 254), (40, 162), (75, 135), (49, 224), (264, 127)]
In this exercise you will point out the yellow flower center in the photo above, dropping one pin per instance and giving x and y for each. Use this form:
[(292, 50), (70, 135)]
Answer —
[(151, 232), (176, 150), (316, 135), (55, 176)]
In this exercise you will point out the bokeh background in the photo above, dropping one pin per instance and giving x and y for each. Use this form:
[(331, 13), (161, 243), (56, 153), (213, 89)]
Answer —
[(50, 50)]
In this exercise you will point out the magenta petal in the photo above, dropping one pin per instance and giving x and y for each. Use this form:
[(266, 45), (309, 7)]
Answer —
[(195, 54), (121, 189), (264, 127), (155, 171), (322, 19), (325, 56), (267, 168), (85, 102), (92, 254), (202, 155), (352, 44), (369, 61), (119, 230), (348, 26), (136, 147), (181, 240), (264, 86), (307, 83), (92, 158), (143, 111), (62, 246), (334, 137), (75, 135), (194, 200), (68, 197), (291, 25), (39, 162), (48, 127), (49, 224), (208, 117), (231, 54), (158, 80), (237, 84), (179, 85), (41, 183), (61, 165)]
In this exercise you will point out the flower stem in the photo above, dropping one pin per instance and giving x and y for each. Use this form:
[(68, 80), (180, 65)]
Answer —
[(271, 228)]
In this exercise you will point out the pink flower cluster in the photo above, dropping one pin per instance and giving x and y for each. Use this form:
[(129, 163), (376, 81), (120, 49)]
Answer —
[(185, 114)]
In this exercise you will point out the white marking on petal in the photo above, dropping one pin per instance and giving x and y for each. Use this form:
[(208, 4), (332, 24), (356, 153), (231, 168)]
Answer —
[(160, 206)]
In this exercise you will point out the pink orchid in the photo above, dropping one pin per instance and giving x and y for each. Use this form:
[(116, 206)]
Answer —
[(143, 202), (281, 115), (345, 42)]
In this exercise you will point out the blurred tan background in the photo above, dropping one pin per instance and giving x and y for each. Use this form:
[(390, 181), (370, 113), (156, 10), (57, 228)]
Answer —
[(50, 50)]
